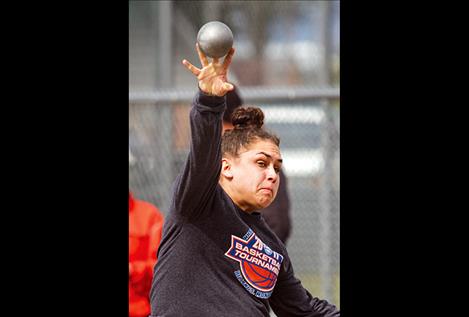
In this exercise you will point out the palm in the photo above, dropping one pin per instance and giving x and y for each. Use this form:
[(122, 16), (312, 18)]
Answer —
[(212, 76), (212, 79)]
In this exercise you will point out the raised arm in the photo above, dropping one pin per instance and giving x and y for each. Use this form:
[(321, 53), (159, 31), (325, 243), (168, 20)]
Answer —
[(200, 175)]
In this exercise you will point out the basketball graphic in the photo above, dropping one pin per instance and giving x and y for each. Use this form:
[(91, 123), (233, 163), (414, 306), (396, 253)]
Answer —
[(259, 276), (259, 265)]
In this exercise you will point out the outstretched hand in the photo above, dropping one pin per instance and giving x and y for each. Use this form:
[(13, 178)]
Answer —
[(212, 76)]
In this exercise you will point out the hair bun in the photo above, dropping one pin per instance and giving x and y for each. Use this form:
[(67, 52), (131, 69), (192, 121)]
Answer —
[(243, 118)]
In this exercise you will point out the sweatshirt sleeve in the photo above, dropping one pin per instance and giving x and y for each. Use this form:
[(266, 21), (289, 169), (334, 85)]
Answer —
[(197, 182), (290, 298)]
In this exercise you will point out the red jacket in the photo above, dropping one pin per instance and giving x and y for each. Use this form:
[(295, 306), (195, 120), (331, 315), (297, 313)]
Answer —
[(145, 226)]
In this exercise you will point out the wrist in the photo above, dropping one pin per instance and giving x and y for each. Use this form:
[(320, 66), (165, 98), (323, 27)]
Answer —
[(206, 93), (210, 100)]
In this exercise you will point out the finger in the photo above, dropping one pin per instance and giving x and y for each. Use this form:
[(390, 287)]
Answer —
[(227, 61), (191, 67), (202, 57), (228, 86)]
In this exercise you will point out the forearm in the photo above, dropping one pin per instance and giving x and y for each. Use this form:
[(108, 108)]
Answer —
[(323, 308), (290, 298), (202, 169)]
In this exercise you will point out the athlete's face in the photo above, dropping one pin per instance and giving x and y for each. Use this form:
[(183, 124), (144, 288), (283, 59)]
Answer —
[(254, 175)]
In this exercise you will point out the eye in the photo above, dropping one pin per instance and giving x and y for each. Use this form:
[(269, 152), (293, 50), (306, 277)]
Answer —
[(261, 163), (277, 169)]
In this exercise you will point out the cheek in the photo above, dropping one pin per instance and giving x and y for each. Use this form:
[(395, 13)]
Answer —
[(276, 186), (245, 180), (249, 175)]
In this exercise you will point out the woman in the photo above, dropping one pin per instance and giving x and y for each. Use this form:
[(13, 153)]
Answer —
[(217, 256)]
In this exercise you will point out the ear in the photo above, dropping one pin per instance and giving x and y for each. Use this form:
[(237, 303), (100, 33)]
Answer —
[(226, 168)]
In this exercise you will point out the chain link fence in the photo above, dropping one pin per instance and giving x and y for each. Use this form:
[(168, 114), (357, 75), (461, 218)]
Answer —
[(159, 135), (287, 63)]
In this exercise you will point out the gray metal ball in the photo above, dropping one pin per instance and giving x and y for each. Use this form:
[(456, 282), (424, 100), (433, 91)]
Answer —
[(215, 39)]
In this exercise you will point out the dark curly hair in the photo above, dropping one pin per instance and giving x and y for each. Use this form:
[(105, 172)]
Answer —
[(247, 123)]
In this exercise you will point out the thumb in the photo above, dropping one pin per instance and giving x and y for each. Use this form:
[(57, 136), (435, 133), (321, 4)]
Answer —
[(228, 86)]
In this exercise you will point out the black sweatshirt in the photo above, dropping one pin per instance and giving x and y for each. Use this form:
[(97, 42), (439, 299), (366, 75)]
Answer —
[(214, 259)]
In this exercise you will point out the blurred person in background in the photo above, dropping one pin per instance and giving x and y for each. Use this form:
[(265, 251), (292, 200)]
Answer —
[(218, 257), (277, 214), (145, 227)]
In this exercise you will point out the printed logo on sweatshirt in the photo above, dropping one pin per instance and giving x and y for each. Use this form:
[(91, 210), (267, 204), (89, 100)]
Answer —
[(259, 265)]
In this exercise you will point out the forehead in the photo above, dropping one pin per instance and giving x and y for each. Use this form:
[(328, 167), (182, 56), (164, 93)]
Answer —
[(262, 148)]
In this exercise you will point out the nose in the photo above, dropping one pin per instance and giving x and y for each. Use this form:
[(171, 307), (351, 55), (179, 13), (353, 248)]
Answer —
[(271, 174)]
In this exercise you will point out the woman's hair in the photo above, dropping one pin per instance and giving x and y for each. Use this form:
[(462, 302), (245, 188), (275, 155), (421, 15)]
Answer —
[(247, 127)]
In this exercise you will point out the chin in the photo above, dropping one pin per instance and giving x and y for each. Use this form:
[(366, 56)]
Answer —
[(264, 204)]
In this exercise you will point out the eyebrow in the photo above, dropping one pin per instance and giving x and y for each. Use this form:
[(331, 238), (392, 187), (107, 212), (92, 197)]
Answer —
[(269, 156)]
